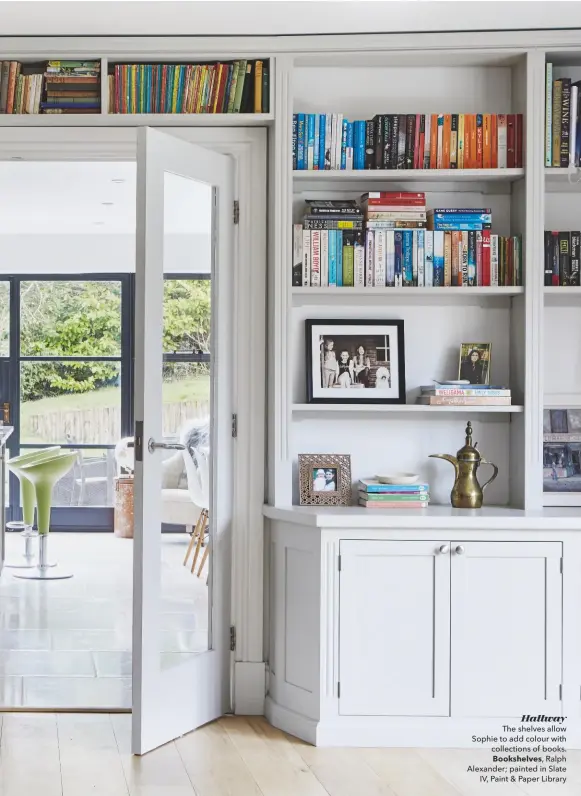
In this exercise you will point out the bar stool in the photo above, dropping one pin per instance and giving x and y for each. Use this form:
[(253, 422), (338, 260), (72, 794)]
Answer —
[(44, 475), (28, 503)]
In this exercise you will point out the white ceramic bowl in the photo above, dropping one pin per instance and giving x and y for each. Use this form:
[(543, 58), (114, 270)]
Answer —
[(398, 478)]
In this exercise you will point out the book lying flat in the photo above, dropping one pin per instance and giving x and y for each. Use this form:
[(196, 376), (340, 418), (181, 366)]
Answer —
[(378, 504), (373, 485), (393, 497), (458, 400)]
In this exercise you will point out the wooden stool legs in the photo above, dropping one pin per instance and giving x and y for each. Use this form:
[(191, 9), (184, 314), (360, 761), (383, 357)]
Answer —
[(201, 533), (193, 538), (204, 557)]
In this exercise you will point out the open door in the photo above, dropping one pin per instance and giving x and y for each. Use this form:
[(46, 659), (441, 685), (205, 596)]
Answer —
[(184, 209)]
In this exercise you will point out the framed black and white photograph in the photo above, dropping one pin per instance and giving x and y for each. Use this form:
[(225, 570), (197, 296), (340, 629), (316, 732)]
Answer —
[(474, 365), (325, 479), (355, 361)]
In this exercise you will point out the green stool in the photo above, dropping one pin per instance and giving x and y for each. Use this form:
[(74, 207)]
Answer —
[(28, 501), (44, 475)]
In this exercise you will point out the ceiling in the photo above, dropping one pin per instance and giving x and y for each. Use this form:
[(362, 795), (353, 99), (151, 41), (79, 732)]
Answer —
[(275, 17), (93, 198)]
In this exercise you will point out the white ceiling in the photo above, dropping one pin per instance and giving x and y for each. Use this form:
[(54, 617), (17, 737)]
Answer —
[(275, 17), (40, 198)]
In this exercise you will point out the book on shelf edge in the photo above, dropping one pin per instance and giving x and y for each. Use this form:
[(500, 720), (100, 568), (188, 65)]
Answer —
[(393, 497)]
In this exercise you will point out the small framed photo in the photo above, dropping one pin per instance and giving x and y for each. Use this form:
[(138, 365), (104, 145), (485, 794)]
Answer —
[(324, 479), (355, 361), (475, 363)]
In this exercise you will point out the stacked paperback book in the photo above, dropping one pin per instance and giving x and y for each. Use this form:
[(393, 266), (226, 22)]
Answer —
[(323, 141), (562, 122), (443, 394), (234, 87), (375, 495), (562, 258), (72, 87), (392, 240)]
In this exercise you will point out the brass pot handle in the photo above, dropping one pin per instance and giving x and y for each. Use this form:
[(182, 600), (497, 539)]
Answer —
[(492, 477)]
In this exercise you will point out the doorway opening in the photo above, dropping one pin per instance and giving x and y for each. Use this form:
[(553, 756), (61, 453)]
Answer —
[(67, 307)]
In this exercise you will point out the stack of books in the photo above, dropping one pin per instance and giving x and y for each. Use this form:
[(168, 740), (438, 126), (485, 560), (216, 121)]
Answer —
[(562, 258), (407, 141), (328, 245), (386, 244), (442, 394), (72, 87), (562, 122), (233, 87), (375, 495), (20, 87)]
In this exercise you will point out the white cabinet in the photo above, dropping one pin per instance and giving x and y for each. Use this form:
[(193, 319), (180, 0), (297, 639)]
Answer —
[(506, 620), (433, 628), (394, 628)]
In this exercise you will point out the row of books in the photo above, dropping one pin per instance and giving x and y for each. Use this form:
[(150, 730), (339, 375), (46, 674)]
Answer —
[(233, 87), (464, 395), (41, 87), (372, 494), (72, 87), (322, 141), (562, 121), (404, 258), (562, 251)]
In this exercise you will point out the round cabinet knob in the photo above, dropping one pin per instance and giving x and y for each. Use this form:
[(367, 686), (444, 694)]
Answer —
[(445, 548), (459, 550)]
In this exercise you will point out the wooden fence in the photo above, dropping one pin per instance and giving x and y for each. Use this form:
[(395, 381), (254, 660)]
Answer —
[(103, 424)]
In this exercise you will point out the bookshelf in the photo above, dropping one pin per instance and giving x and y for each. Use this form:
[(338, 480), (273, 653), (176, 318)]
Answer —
[(406, 409)]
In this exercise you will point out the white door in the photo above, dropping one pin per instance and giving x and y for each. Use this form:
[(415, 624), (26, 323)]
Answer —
[(506, 628), (394, 628), (180, 620)]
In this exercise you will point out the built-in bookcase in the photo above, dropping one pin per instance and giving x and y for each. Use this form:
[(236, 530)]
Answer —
[(437, 320), (562, 305)]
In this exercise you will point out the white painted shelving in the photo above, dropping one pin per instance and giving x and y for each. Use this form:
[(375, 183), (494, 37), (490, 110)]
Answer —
[(404, 409)]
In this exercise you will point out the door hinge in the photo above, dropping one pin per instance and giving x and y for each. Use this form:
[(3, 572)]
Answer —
[(138, 440), (236, 211), (561, 566), (338, 690), (561, 691), (339, 563), (234, 426), (232, 638)]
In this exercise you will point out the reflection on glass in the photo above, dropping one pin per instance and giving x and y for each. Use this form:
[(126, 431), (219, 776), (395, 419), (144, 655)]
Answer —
[(90, 482), (73, 402), (186, 316), (185, 597), (4, 319), (70, 318)]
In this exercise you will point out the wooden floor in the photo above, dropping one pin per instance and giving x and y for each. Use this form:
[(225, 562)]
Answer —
[(88, 754)]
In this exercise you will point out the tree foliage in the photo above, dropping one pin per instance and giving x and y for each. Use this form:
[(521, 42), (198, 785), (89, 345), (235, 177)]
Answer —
[(84, 319)]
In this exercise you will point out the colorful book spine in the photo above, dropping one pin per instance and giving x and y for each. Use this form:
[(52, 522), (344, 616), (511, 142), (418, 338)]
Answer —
[(438, 259), (306, 258), (301, 161), (333, 257)]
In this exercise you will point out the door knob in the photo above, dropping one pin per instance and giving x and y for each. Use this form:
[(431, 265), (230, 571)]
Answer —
[(152, 445), (459, 550), (445, 548)]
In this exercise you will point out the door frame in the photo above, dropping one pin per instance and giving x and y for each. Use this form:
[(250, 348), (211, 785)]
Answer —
[(248, 148)]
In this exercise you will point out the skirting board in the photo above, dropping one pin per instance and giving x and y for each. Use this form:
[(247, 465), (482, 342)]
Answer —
[(249, 688), (427, 733)]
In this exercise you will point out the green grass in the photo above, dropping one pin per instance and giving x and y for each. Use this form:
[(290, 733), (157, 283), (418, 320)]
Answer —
[(197, 389)]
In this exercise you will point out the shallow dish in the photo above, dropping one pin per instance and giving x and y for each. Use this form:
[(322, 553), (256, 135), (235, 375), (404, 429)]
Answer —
[(398, 478)]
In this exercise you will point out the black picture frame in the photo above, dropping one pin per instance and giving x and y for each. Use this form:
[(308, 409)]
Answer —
[(385, 375)]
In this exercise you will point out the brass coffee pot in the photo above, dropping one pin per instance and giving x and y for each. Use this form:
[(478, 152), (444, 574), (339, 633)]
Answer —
[(467, 492)]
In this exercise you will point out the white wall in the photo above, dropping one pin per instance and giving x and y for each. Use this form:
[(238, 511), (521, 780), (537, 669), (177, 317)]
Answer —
[(68, 254)]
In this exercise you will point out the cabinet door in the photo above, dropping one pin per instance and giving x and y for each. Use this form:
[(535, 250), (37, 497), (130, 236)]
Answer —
[(506, 628), (394, 628)]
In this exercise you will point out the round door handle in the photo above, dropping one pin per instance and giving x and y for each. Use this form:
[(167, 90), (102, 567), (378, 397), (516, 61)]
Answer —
[(459, 550), (445, 548)]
